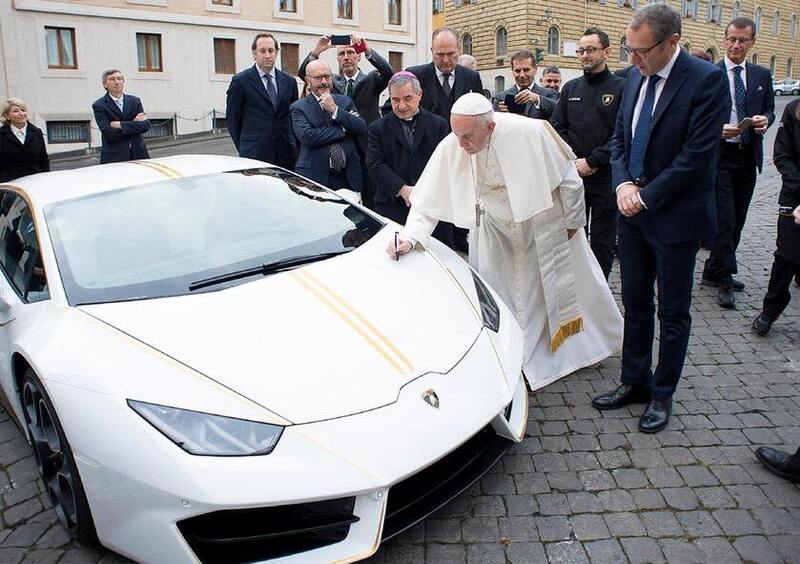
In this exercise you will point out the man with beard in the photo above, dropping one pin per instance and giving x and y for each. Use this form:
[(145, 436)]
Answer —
[(531, 100), (585, 118), (363, 88)]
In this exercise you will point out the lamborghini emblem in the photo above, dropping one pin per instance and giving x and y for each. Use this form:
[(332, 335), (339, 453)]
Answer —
[(431, 398), (607, 99)]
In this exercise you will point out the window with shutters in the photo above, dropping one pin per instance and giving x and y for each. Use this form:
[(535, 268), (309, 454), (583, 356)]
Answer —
[(60, 47), (394, 12), (344, 9), (287, 6), (148, 48), (396, 60), (224, 56), (222, 2), (289, 58)]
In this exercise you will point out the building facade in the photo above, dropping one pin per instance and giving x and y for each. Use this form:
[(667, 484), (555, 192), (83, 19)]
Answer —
[(492, 30), (177, 55)]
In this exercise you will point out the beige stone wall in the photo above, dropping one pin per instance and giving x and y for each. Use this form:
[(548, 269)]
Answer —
[(528, 21)]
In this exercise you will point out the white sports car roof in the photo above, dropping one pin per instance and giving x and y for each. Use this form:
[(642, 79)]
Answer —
[(52, 187)]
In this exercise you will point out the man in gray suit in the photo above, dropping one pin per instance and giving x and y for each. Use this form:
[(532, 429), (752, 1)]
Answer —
[(535, 101), (363, 88)]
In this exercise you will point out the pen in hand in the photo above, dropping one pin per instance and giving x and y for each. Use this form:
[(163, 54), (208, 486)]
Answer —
[(396, 248)]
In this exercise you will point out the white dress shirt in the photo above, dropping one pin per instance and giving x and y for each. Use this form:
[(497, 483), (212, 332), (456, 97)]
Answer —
[(20, 133), (734, 118), (664, 74), (263, 74), (440, 77), (118, 101)]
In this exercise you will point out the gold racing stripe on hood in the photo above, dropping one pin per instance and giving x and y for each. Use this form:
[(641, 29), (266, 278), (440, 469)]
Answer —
[(360, 324), (167, 171)]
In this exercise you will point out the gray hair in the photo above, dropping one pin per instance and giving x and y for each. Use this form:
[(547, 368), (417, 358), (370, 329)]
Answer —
[(552, 70), (485, 119), (662, 20), (467, 60), (109, 72), (401, 79), (6, 105)]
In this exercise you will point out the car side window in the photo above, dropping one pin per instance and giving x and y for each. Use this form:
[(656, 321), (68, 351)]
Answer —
[(20, 256)]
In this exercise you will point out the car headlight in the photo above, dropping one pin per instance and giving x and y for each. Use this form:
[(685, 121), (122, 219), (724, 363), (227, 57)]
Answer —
[(489, 309), (211, 435)]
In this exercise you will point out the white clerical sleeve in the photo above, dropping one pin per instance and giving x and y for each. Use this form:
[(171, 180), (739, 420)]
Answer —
[(419, 227), (572, 199)]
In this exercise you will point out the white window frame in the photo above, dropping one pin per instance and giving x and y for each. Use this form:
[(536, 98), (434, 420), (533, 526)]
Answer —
[(166, 52), (298, 15), (341, 21), (80, 55), (405, 15), (234, 8)]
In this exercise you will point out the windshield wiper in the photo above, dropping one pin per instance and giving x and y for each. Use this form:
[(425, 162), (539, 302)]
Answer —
[(263, 269)]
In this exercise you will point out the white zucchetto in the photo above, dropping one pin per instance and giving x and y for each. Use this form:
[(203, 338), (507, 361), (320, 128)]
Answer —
[(471, 104)]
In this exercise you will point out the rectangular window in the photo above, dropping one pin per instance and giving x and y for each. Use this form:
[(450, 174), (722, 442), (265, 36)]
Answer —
[(438, 6), (219, 123), (222, 2), (289, 58), (67, 132), (160, 128), (60, 47), (396, 60), (288, 6), (148, 47), (344, 9), (224, 56), (395, 12)]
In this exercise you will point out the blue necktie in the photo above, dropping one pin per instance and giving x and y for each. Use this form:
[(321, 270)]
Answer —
[(741, 102), (273, 94), (639, 143)]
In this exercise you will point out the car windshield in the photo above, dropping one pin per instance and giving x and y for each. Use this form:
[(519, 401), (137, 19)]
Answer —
[(158, 239)]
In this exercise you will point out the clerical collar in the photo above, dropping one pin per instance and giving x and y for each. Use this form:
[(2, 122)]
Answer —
[(412, 119)]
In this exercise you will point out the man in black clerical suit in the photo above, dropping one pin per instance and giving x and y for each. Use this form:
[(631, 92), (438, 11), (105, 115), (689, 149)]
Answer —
[(400, 145), (444, 81)]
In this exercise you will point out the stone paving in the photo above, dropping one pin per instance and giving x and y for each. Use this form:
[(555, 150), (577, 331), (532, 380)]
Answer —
[(586, 486)]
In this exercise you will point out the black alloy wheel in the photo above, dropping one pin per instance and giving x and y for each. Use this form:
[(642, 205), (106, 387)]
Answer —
[(55, 461)]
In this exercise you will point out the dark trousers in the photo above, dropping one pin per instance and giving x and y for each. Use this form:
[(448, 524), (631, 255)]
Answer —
[(780, 279), (601, 221), (736, 179), (645, 260), (396, 210), (784, 268), (367, 187)]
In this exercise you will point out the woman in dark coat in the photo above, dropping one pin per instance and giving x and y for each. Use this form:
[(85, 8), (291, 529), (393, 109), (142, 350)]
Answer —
[(22, 148), (787, 253)]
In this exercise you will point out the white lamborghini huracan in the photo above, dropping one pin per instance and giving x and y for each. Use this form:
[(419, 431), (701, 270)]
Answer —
[(216, 361)]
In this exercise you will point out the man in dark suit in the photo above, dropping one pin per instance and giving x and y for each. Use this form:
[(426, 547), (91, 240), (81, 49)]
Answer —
[(742, 155), (443, 81), (257, 114), (400, 145), (538, 102), (121, 121), (363, 88), (327, 126), (663, 156)]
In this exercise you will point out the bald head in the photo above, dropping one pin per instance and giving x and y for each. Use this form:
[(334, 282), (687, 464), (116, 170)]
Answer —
[(444, 48), (318, 77)]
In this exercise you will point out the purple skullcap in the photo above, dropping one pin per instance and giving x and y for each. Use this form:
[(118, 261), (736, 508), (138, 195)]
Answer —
[(404, 73)]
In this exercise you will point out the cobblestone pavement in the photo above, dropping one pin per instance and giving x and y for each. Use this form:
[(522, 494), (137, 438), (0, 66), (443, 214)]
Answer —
[(584, 485)]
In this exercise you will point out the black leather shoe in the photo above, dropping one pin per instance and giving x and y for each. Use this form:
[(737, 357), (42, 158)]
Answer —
[(762, 324), (779, 462), (737, 286), (621, 397), (725, 296), (655, 416)]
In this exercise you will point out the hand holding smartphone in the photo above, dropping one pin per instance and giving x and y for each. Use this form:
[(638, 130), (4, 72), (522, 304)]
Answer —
[(512, 106), (340, 40), (745, 123)]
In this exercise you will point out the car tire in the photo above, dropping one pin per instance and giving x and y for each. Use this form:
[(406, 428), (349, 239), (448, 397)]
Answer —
[(795, 92), (55, 461), (779, 92)]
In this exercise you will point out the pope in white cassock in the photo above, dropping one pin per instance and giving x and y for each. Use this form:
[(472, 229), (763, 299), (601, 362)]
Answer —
[(512, 182)]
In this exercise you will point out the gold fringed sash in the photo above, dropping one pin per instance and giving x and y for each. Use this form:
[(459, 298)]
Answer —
[(568, 329)]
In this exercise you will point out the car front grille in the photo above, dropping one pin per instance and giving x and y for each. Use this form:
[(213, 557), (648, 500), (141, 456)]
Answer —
[(246, 535), (419, 495)]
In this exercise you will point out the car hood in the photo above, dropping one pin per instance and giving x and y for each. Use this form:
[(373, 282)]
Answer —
[(327, 340)]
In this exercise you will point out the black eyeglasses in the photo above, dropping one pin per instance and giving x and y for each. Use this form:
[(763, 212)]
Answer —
[(641, 52), (589, 50)]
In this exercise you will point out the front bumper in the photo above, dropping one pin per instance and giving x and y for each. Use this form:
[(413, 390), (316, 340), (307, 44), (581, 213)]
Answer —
[(393, 466)]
